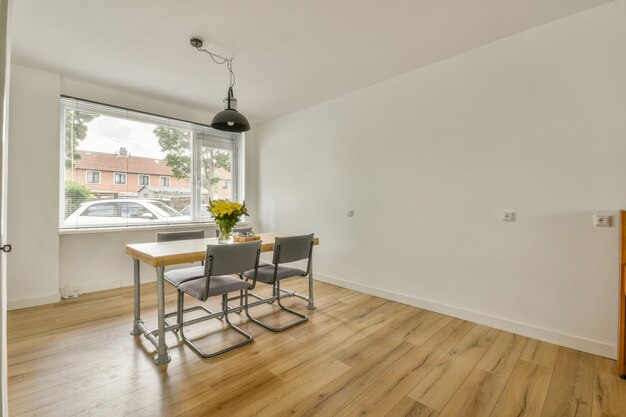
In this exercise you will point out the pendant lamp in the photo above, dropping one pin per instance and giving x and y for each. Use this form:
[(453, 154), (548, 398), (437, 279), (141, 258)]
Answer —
[(229, 119)]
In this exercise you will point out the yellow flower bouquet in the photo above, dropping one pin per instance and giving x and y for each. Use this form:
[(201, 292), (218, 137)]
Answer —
[(226, 214)]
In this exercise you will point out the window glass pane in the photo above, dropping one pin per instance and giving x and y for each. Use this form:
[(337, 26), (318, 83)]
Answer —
[(111, 158), (93, 177), (216, 166), (134, 210), (126, 168), (100, 210), (120, 178)]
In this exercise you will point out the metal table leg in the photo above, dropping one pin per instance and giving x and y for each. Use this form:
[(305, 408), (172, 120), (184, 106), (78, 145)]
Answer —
[(162, 356), (311, 305), (137, 292)]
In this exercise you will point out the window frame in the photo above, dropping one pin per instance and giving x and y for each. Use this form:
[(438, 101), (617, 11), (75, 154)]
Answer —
[(87, 171), (165, 177), (237, 166), (200, 134), (125, 174), (139, 176)]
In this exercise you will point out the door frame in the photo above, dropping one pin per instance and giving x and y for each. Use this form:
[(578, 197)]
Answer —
[(621, 343), (5, 66)]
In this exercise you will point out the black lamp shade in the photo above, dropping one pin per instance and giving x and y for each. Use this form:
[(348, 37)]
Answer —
[(230, 120)]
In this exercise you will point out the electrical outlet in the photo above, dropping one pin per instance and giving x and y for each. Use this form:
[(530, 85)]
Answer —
[(508, 216), (602, 220)]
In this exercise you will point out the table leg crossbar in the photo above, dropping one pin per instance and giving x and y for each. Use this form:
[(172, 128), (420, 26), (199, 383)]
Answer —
[(157, 337)]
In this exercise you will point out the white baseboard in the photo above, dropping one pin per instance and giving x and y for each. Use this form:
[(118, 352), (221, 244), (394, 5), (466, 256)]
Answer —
[(547, 335), (32, 302)]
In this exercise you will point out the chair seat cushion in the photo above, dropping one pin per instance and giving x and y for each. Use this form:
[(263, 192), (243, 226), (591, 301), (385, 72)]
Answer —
[(178, 276), (219, 284), (266, 273)]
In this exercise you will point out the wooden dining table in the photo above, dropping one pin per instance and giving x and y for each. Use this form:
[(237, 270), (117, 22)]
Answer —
[(162, 254)]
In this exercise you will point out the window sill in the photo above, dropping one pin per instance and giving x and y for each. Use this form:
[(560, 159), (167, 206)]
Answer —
[(117, 229)]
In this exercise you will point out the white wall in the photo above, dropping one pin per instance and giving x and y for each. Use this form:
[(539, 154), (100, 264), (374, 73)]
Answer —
[(82, 262), (96, 261), (428, 161), (33, 187)]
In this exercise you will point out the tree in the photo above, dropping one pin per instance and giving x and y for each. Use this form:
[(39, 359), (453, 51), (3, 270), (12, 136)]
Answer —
[(212, 159), (75, 195), (75, 131), (177, 147)]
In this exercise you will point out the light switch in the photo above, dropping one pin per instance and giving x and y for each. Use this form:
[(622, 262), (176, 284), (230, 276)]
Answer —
[(350, 213)]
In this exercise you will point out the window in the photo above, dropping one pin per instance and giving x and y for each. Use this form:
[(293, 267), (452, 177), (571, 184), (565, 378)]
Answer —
[(120, 178), (93, 177), (215, 164), (135, 210), (100, 210), (143, 179), (102, 145)]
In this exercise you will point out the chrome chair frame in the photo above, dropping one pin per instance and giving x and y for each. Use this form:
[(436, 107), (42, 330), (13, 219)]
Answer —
[(224, 313), (175, 236), (276, 294)]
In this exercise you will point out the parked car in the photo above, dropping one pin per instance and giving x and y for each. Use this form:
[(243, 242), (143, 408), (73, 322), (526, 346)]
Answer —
[(123, 212), (204, 210)]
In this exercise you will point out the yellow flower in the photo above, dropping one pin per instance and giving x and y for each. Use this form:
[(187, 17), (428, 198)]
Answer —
[(225, 208)]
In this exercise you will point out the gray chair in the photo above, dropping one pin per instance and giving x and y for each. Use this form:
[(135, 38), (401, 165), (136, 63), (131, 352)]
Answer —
[(178, 276), (235, 230), (286, 250), (220, 262), (171, 236)]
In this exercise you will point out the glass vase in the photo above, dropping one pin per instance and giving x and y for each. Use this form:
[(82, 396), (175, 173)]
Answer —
[(226, 234)]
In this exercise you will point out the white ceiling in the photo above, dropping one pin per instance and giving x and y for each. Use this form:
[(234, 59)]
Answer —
[(288, 54)]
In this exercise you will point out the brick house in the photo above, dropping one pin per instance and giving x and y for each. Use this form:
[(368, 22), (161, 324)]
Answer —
[(121, 175)]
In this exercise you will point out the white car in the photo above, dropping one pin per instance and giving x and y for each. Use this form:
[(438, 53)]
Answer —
[(123, 212), (204, 210)]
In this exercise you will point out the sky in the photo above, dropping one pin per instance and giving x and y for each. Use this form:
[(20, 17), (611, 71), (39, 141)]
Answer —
[(108, 134)]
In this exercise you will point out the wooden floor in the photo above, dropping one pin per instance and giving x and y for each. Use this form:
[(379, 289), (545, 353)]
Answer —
[(357, 356)]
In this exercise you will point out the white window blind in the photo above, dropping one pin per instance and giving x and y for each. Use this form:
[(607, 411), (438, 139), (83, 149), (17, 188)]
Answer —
[(150, 169)]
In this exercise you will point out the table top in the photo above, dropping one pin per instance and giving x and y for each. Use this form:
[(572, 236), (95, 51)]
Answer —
[(186, 251)]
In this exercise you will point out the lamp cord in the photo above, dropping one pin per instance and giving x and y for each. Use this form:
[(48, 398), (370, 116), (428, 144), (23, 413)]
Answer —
[(220, 60)]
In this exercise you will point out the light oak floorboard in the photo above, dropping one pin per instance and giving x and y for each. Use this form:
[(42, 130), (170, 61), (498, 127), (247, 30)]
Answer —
[(571, 388), (525, 393), (609, 393), (357, 355), (382, 396), (541, 353), (408, 407), (478, 394), (436, 389)]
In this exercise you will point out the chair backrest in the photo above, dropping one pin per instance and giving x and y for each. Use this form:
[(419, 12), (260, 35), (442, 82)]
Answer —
[(231, 259), (235, 230), (171, 236), (293, 248)]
